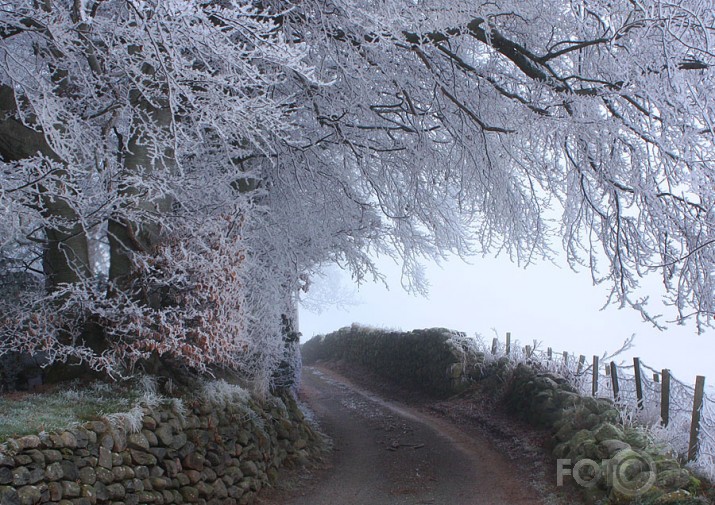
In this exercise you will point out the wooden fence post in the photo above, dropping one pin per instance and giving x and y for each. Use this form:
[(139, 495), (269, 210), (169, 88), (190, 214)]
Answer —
[(527, 351), (508, 342), (549, 353), (614, 381), (594, 385), (495, 342), (656, 377), (581, 361), (566, 358), (665, 398), (639, 383), (695, 424)]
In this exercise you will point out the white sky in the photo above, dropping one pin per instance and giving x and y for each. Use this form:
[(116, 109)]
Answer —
[(553, 305)]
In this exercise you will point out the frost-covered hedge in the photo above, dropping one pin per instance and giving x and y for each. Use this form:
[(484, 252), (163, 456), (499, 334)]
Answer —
[(426, 360)]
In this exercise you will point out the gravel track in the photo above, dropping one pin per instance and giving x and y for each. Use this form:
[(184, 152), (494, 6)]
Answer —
[(387, 453)]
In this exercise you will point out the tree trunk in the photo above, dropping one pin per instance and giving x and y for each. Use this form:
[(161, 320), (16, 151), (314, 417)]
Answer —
[(66, 252), (141, 235), (137, 227), (65, 255), (65, 258)]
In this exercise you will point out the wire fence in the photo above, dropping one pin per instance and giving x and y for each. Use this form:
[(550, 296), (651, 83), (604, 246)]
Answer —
[(677, 416)]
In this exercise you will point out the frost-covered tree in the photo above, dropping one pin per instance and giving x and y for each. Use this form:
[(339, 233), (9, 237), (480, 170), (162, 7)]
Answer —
[(129, 122), (240, 145), (500, 126)]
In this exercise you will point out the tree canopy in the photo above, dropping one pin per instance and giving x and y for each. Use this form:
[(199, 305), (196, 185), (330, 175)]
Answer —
[(175, 170)]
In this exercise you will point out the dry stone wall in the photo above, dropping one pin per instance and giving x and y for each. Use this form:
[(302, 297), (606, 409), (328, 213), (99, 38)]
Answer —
[(214, 452), (588, 433)]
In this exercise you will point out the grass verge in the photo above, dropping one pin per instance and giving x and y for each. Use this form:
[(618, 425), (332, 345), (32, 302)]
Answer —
[(63, 408)]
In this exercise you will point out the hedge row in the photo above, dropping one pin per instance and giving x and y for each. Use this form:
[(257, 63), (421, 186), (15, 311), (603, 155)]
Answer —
[(419, 360)]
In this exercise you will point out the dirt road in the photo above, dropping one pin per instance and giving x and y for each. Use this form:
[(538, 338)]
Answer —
[(390, 454)]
